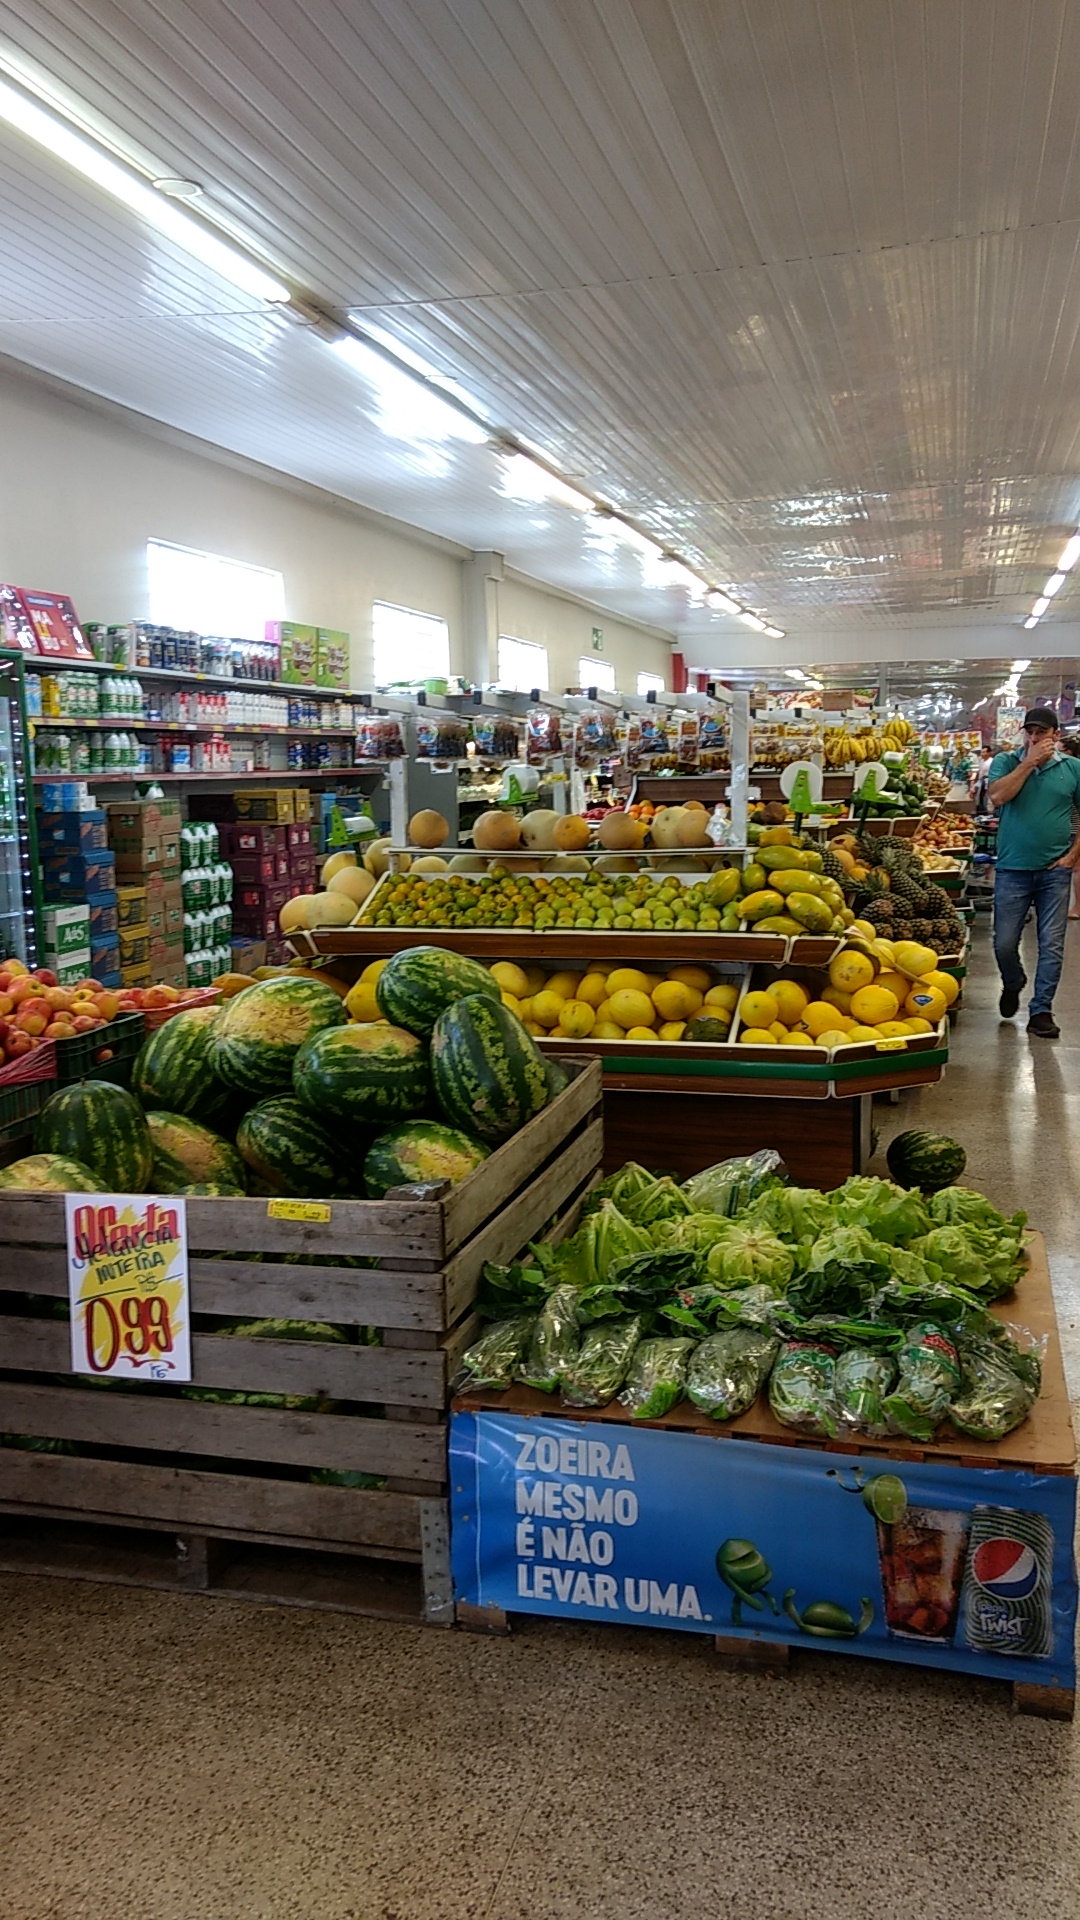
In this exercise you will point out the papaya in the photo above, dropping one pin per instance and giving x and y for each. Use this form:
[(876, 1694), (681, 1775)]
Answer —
[(754, 906), (774, 858), (753, 877), (810, 912), (779, 923), (795, 880), (723, 887), (778, 837), (812, 860)]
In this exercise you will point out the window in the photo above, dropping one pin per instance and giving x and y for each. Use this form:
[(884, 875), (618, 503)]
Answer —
[(523, 664), (596, 673), (408, 646), (650, 683), (207, 593)]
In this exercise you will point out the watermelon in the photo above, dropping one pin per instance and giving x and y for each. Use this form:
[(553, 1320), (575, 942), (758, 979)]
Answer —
[(558, 1080), (291, 1153), (49, 1173), (420, 1150), (186, 1153), (489, 1074), (103, 1127), (272, 1330), (256, 1036), (368, 1074), (919, 1158), (172, 1070), (212, 1189), (419, 983)]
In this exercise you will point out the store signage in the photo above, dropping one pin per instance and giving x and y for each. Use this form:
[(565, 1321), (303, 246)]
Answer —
[(926, 1563), (598, 639), (42, 623), (128, 1286)]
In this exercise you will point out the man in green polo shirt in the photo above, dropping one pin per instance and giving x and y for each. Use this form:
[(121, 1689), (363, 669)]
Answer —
[(1035, 793)]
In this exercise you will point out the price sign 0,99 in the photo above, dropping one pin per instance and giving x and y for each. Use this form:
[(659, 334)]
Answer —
[(128, 1286)]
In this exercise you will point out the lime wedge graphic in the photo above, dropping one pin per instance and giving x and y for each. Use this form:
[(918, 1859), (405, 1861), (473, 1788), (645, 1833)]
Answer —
[(886, 1498)]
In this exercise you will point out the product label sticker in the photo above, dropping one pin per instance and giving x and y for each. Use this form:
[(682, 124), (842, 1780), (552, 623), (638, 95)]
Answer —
[(298, 1210), (128, 1286)]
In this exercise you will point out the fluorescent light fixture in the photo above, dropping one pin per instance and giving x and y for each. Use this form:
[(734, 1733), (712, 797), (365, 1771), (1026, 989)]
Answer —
[(633, 537), (1020, 666), (408, 409), (1040, 607), (795, 673), (1033, 622), (751, 620), (721, 602), (155, 208), (1070, 554), (1054, 585), (679, 574), (775, 633), (525, 479)]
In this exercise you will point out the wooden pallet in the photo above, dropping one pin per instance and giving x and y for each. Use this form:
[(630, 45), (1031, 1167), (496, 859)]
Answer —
[(201, 1470)]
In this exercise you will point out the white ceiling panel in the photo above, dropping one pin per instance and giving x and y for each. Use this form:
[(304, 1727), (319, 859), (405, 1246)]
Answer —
[(795, 284)]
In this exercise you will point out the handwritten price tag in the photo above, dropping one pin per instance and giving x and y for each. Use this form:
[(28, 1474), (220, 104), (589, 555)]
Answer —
[(298, 1210), (894, 1044), (128, 1286)]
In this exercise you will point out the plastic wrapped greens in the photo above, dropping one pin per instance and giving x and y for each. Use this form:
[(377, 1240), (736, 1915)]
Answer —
[(554, 1342), (729, 1370), (994, 1397), (862, 1380), (657, 1378), (802, 1387), (732, 1184), (602, 1362), (494, 1359), (929, 1375)]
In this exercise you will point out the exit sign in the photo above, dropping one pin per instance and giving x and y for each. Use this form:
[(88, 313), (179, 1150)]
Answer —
[(598, 639)]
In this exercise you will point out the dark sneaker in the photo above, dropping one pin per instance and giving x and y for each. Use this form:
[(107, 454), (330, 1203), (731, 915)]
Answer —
[(1010, 1000), (1044, 1026)]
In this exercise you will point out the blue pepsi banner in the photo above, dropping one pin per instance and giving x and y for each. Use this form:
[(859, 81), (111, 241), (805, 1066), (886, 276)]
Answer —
[(932, 1564)]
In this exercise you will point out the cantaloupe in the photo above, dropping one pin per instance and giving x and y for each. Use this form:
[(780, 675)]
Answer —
[(377, 858), (538, 830), (691, 827), (497, 832), (336, 863), (572, 833), (430, 863), (330, 910), (428, 829), (620, 833), (293, 914), (354, 882), (665, 828)]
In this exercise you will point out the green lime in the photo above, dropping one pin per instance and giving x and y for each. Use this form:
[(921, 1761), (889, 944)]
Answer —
[(886, 1498)]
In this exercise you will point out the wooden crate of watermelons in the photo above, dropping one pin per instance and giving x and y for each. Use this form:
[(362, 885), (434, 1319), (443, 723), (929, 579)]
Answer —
[(322, 1349)]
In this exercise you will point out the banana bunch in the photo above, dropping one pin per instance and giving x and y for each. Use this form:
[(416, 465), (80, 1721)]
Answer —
[(896, 733), (842, 749)]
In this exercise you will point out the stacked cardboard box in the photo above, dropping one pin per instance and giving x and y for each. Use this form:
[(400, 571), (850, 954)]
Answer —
[(79, 883), (145, 838)]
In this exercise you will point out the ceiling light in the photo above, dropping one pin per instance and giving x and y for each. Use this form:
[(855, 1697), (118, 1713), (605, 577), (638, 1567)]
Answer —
[(408, 408), (775, 633), (525, 479), (721, 602), (795, 673), (751, 620), (1070, 554), (1033, 622), (679, 572), (635, 538), (1054, 585), (157, 210), (1020, 666), (1040, 607), (175, 189)]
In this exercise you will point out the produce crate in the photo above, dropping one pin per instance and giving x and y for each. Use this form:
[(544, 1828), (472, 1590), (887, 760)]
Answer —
[(207, 1472), (25, 1085), (106, 1054)]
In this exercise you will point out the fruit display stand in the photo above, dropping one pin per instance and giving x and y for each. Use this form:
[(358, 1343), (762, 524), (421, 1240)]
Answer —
[(648, 1483), (221, 1497)]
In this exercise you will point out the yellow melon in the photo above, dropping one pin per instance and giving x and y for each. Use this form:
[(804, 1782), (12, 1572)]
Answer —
[(623, 977), (497, 832), (510, 978), (632, 1009), (698, 977), (757, 1037), (293, 914), (849, 970), (330, 910), (620, 833), (354, 882), (871, 1005), (592, 989), (607, 1030), (547, 1008), (335, 863), (571, 833), (577, 1019), (360, 1002), (758, 1010), (428, 829)]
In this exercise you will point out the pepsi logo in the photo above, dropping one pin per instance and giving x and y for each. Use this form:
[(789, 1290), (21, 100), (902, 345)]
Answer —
[(1005, 1568)]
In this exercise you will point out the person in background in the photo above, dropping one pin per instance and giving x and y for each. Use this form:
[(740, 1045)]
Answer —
[(1071, 745), (1037, 792)]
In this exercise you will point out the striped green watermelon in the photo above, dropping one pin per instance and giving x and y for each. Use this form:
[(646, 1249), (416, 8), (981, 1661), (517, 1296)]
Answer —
[(420, 1150), (272, 1330), (172, 1070), (103, 1127), (48, 1173), (256, 1036), (368, 1074), (929, 1161), (212, 1189), (418, 983), (185, 1152), (291, 1153), (489, 1074)]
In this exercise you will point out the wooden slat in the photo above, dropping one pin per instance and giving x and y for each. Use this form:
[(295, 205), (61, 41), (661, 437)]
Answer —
[(262, 1366), (652, 950), (508, 1233), (498, 1180), (99, 1417), (218, 1503), (371, 1227)]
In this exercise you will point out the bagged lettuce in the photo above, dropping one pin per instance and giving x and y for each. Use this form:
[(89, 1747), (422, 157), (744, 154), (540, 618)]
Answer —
[(998, 1388), (492, 1361), (728, 1371), (802, 1387), (732, 1184), (862, 1379), (553, 1343), (928, 1377), (602, 1362), (657, 1377), (749, 1256)]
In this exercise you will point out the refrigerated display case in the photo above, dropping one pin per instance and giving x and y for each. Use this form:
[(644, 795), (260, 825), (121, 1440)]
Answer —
[(20, 881)]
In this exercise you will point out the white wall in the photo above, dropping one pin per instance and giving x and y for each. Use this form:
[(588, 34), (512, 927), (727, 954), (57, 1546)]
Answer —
[(82, 489)]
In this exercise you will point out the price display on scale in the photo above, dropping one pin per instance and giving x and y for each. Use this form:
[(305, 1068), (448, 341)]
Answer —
[(128, 1286)]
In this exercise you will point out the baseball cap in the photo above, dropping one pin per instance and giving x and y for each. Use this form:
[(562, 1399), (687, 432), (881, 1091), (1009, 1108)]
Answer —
[(1041, 717)]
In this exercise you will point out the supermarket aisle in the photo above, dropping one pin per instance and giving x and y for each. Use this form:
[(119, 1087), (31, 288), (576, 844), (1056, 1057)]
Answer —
[(174, 1759)]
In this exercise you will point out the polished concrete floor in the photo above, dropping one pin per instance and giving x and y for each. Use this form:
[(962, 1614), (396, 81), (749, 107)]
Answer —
[(167, 1758)]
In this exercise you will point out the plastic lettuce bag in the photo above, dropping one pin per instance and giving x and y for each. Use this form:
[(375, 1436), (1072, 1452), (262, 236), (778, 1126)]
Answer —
[(657, 1377), (993, 1397), (928, 1376), (802, 1387), (732, 1184), (729, 1369), (554, 1342), (862, 1380), (602, 1362), (492, 1361)]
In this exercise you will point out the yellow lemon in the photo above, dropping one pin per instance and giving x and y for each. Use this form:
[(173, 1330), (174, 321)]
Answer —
[(510, 978), (871, 1005), (757, 1037), (372, 971), (631, 1008), (946, 984), (779, 1031), (835, 997), (607, 1030), (758, 1010), (564, 984), (894, 983), (593, 989), (577, 1019), (791, 1000), (671, 1030), (547, 1007), (799, 1040), (850, 970), (927, 1003), (510, 1000), (641, 1033), (674, 1000), (360, 1002), (819, 1017), (726, 995), (625, 978), (698, 977)]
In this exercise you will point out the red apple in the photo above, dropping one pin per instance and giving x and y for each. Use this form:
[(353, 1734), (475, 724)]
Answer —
[(59, 1030), (84, 1023), (17, 1044), (46, 976), (105, 1054), (159, 996), (59, 999), (25, 989), (32, 1019), (108, 1004)]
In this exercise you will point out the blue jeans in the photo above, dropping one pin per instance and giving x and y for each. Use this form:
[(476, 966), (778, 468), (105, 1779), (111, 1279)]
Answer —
[(1016, 891)]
